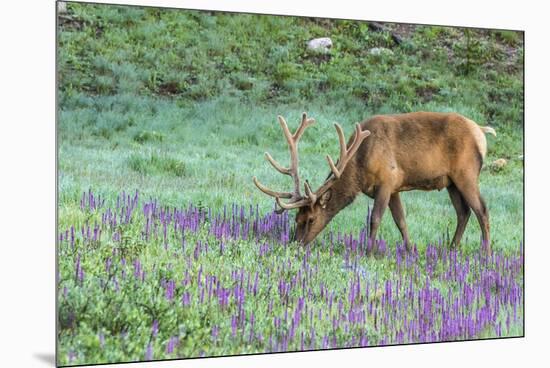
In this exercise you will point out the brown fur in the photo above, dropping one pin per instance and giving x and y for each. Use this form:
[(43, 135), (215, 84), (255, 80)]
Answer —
[(421, 150)]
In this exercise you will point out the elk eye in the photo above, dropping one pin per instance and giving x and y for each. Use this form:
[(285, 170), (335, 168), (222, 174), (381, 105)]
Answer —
[(311, 220)]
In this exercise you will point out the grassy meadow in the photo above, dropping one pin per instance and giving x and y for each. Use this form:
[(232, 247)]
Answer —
[(176, 108)]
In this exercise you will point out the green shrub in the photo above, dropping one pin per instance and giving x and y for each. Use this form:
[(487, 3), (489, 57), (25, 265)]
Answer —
[(469, 53), (512, 38), (148, 136), (155, 163)]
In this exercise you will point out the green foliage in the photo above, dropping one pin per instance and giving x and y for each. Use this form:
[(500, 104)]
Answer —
[(194, 56)]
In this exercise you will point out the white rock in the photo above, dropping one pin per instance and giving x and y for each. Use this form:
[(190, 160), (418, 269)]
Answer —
[(61, 7), (380, 50), (322, 44)]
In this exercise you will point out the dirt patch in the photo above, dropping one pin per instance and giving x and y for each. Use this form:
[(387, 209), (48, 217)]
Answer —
[(426, 93), (169, 89), (403, 30)]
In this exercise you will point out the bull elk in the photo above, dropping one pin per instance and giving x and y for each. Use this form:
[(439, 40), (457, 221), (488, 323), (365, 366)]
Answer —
[(386, 155)]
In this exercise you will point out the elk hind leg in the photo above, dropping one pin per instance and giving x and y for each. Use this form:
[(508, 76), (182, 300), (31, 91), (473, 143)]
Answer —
[(462, 214), (470, 192)]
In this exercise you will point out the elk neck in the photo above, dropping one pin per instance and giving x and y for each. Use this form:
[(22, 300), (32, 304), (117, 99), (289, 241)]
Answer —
[(344, 190)]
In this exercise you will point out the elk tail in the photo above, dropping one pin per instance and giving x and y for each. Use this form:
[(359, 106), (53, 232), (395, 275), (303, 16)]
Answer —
[(488, 129)]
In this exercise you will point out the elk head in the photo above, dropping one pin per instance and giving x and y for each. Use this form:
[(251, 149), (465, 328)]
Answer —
[(315, 208)]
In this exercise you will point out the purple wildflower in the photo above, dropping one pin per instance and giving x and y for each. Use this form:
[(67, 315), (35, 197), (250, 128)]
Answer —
[(149, 352), (171, 345), (155, 328)]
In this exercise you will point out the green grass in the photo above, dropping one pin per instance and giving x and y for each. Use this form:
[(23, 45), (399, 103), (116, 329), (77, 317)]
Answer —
[(181, 105), (210, 151)]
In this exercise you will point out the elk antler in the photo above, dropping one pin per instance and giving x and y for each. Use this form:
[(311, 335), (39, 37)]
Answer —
[(345, 155), (296, 198)]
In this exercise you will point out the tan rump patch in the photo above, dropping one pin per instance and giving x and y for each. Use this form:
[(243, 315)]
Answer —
[(479, 136)]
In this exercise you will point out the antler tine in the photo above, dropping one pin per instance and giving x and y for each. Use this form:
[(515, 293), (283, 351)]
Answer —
[(303, 125), (288, 136), (291, 205), (309, 193), (286, 131), (341, 140), (270, 192), (343, 152), (359, 136), (292, 140), (347, 153), (276, 165)]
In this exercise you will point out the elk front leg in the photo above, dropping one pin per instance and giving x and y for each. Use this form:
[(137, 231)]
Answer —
[(381, 199), (398, 215)]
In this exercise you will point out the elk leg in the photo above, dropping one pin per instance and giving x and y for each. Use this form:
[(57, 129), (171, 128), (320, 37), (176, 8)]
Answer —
[(462, 214), (381, 200), (398, 215), (470, 192)]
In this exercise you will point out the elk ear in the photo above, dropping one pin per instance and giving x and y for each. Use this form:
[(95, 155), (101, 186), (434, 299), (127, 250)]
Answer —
[(325, 198)]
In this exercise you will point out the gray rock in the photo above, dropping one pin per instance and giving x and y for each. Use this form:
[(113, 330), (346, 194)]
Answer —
[(322, 45)]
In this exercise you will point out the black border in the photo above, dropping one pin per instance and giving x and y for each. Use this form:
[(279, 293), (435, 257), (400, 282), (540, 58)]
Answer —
[(268, 14)]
